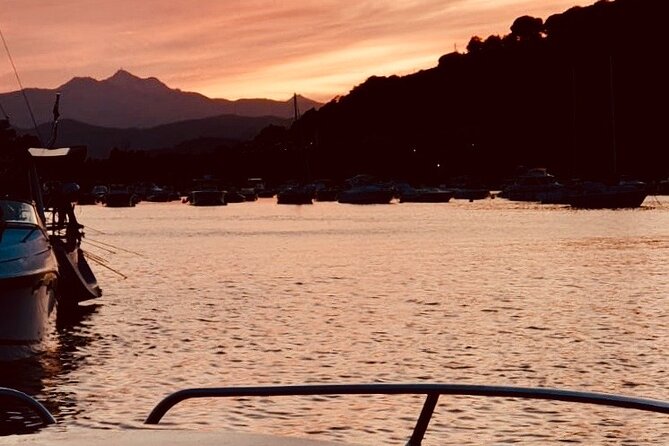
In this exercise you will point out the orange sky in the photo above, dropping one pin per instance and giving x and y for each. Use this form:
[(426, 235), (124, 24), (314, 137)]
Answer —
[(246, 48)]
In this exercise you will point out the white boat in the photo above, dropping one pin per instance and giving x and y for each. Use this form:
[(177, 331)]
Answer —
[(28, 265)]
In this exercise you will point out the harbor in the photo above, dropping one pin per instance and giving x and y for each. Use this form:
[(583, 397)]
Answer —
[(484, 292)]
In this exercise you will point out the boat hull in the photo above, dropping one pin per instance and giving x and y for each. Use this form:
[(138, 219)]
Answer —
[(27, 305), (608, 200), (371, 196), (77, 281)]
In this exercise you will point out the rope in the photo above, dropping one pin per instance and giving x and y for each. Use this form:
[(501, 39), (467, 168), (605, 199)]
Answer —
[(115, 247), (23, 92), (97, 260)]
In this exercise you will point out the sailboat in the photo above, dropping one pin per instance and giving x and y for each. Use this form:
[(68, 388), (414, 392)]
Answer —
[(295, 193), (598, 195)]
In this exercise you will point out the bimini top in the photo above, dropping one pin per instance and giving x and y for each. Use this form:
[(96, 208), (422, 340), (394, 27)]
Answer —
[(41, 152)]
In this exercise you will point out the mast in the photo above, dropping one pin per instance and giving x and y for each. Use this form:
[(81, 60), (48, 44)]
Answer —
[(613, 118), (296, 110)]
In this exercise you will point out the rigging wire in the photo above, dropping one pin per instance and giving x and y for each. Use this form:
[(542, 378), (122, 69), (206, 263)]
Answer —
[(2, 109), (23, 92)]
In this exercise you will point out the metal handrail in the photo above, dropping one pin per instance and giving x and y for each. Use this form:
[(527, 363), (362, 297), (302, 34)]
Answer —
[(433, 391), (31, 402)]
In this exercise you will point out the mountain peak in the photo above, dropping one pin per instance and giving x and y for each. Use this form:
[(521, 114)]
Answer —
[(123, 75), (124, 78)]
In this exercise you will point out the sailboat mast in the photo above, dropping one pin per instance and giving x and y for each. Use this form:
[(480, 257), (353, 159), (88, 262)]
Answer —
[(614, 140), (296, 111)]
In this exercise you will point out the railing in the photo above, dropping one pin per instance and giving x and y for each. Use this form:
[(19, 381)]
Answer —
[(432, 392), (29, 401)]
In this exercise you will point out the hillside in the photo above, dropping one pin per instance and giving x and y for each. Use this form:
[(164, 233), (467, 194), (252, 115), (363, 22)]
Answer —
[(580, 93), (101, 140)]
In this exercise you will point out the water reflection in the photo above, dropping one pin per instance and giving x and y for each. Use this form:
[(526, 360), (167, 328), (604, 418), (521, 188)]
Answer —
[(37, 376)]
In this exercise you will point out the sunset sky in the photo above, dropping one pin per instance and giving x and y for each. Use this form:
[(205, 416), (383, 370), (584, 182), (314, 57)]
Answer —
[(246, 48)]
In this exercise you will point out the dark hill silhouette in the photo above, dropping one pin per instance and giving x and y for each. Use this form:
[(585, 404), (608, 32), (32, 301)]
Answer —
[(565, 93), (127, 101), (101, 140), (546, 94)]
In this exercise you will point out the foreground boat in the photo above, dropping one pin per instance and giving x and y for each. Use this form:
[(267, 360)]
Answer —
[(431, 391), (77, 283), (28, 280), (28, 265)]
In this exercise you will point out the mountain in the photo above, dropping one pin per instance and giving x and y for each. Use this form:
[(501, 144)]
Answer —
[(127, 101), (101, 140)]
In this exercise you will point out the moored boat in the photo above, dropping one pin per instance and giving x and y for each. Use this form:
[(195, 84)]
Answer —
[(28, 265), (76, 283), (119, 196), (294, 195), (425, 195), (206, 197), (597, 195), (538, 185)]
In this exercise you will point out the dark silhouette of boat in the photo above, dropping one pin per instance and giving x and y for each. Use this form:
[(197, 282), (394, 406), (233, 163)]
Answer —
[(408, 194), (538, 185), (119, 196), (598, 195), (206, 197), (365, 189), (207, 192), (295, 195)]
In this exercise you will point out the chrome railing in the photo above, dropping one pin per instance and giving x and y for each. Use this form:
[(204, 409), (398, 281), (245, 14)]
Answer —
[(432, 392), (30, 402)]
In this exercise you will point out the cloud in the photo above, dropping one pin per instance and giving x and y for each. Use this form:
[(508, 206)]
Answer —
[(238, 48)]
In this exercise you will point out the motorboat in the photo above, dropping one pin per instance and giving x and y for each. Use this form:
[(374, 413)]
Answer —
[(538, 185), (295, 195), (207, 191), (366, 194), (409, 194), (28, 279), (206, 197), (598, 195), (432, 392), (119, 196), (28, 266), (365, 189)]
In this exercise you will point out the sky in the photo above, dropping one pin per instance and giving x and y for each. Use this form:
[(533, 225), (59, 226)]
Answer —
[(246, 48)]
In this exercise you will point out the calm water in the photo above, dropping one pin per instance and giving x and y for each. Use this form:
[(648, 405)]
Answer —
[(490, 292)]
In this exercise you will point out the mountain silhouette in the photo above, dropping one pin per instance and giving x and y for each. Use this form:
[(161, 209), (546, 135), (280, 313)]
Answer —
[(101, 140), (127, 101)]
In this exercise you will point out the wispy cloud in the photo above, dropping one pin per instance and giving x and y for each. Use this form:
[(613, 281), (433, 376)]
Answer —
[(247, 48)]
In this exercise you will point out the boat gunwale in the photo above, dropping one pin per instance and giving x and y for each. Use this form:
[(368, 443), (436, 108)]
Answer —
[(431, 390)]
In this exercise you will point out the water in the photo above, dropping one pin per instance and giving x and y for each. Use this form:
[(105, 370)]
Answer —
[(489, 292)]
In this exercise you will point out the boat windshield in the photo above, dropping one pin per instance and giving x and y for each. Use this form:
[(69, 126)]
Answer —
[(17, 212)]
